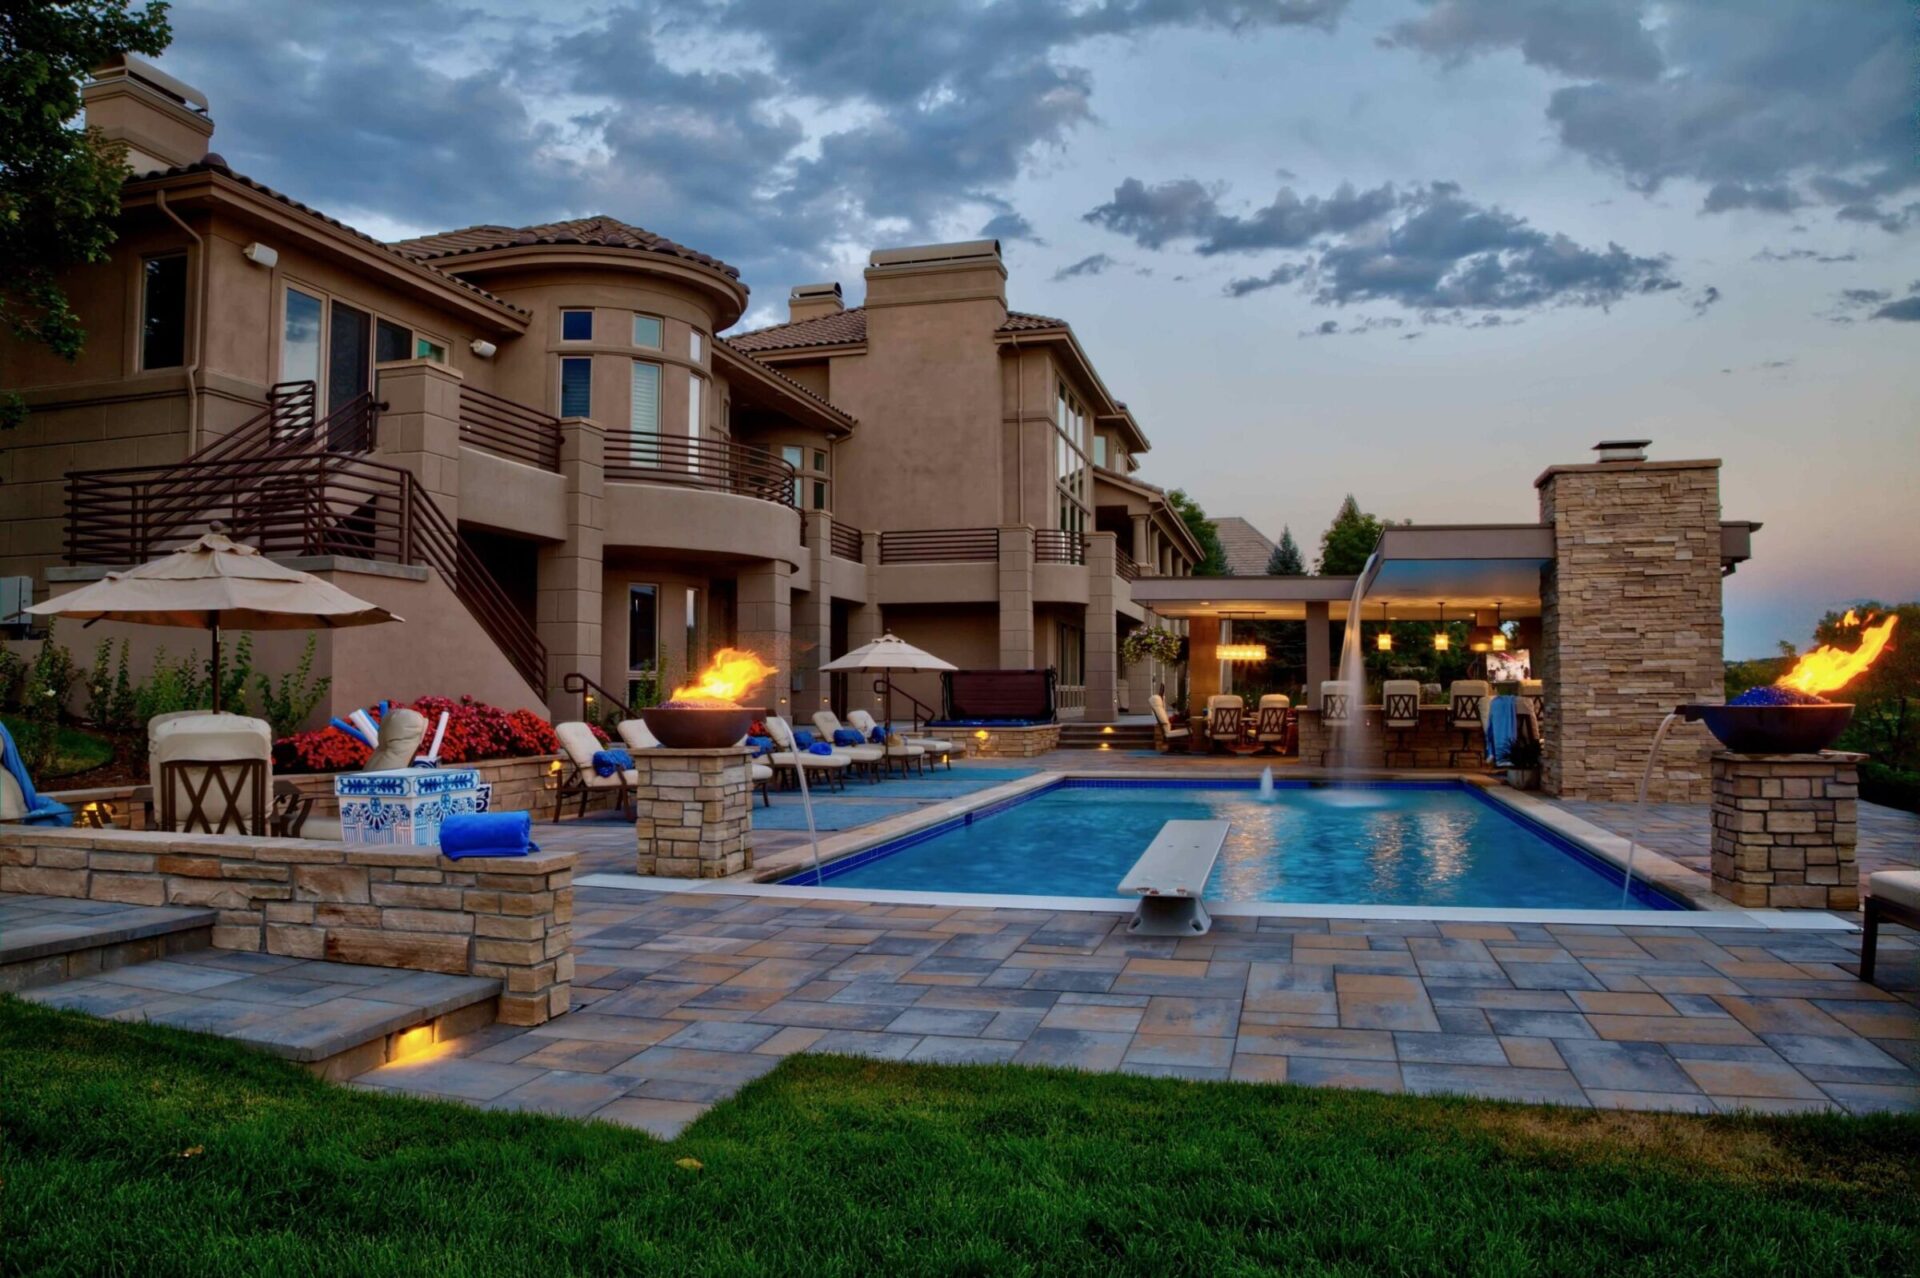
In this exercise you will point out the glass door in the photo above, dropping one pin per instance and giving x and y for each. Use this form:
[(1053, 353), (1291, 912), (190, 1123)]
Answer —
[(349, 364)]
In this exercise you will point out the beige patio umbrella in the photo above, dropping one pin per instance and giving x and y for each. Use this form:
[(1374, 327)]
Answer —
[(888, 655), (213, 584)]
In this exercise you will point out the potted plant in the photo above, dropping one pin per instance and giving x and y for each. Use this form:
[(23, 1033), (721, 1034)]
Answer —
[(1523, 764)]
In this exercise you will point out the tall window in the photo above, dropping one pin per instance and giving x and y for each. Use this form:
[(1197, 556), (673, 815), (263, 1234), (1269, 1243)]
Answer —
[(1073, 655), (1071, 443), (391, 342), (300, 338), (643, 644), (576, 388), (796, 457), (1100, 450), (696, 400), (163, 311), (643, 418), (646, 331), (696, 345), (576, 326)]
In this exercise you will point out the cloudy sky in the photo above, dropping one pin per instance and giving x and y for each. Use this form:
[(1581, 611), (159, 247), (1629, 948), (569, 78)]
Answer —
[(1412, 249)]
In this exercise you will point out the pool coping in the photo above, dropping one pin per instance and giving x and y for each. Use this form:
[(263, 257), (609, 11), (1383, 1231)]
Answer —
[(1692, 887)]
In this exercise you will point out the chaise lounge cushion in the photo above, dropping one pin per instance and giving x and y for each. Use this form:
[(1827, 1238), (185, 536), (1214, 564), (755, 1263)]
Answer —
[(1900, 887)]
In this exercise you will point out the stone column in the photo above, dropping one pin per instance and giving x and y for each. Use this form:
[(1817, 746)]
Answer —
[(765, 627), (1142, 548), (695, 812), (1319, 650), (1203, 664), (420, 428), (1103, 638), (1630, 625), (813, 619), (1016, 598), (572, 572), (1785, 828)]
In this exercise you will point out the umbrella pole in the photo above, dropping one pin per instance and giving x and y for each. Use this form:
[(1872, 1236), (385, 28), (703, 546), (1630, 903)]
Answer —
[(216, 662)]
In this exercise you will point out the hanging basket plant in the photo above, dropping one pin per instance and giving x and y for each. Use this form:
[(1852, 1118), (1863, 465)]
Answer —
[(1150, 643)]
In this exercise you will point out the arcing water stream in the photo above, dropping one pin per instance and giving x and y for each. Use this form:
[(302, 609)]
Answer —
[(1640, 810)]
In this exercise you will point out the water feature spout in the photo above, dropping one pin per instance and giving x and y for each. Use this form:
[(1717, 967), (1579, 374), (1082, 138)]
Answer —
[(1640, 809), (1266, 785), (1353, 677)]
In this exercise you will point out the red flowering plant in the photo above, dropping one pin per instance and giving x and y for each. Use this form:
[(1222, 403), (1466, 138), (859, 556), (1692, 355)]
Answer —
[(475, 731)]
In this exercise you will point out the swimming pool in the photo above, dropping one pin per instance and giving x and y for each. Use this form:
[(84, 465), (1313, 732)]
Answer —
[(1389, 843)]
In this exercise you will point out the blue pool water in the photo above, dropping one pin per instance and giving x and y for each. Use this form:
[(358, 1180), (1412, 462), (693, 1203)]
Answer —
[(1387, 844)]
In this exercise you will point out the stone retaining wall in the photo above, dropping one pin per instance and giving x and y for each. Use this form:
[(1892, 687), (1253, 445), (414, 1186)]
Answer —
[(503, 917), (1432, 745), (1023, 742)]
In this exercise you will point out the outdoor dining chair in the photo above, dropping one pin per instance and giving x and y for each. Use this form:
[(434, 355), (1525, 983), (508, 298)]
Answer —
[(1467, 699), (1400, 711)]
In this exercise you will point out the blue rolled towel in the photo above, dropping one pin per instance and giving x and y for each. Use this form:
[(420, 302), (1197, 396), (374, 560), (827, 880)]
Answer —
[(761, 745), (608, 762), (487, 834), (802, 738), (846, 737), (878, 736), (820, 747)]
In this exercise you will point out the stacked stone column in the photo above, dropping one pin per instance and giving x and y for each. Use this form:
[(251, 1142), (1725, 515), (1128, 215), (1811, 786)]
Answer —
[(695, 813), (1785, 828)]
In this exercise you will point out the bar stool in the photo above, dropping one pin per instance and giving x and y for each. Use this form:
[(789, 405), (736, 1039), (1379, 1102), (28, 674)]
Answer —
[(1224, 716), (1468, 716), (1400, 710), (1533, 703), (1336, 713), (1270, 727)]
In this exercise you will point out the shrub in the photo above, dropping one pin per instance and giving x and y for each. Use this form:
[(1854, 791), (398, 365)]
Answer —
[(475, 731), (286, 704), (1890, 786)]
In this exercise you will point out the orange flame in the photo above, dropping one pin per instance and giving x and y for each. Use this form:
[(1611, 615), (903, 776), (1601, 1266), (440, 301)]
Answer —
[(731, 674), (1851, 620), (1828, 669)]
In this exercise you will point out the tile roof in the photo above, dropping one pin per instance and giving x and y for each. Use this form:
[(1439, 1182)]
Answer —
[(789, 382), (849, 327), (214, 163), (602, 231), (1246, 547)]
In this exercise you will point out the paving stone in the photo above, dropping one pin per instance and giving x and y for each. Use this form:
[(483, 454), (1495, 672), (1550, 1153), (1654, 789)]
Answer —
[(580, 1055), (1375, 1001), (451, 1076), (1864, 1098), (1248, 1068), (722, 1036), (858, 1016), (945, 1021), (1666, 1102), (1074, 1049), (787, 1041), (663, 1118), (1372, 1076), (1539, 1086), (1200, 1051), (1348, 1044), (692, 1064), (607, 1029), (935, 1049), (1750, 1079), (1449, 1049), (1093, 1016), (1532, 1053), (1671, 1029), (1524, 1024), (1624, 1067), (574, 1095), (886, 1047), (1208, 1017)]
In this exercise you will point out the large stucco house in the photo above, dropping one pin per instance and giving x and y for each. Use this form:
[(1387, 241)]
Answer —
[(532, 443)]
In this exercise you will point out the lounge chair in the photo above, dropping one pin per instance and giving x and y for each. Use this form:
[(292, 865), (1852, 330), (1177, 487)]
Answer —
[(1270, 722), (866, 756), (788, 757), (578, 745), (636, 735), (1225, 714), (936, 747), (19, 801), (1400, 711), (1892, 896), (211, 773), (1163, 726)]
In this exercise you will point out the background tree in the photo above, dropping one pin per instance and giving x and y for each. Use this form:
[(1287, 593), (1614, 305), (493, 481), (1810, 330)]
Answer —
[(59, 182), (1213, 562), (1286, 560), (1348, 541)]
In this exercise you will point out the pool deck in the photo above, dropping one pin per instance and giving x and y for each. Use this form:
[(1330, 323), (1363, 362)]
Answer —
[(683, 998)]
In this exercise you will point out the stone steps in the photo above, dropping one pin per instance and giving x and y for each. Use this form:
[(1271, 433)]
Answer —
[(338, 1020), (45, 940)]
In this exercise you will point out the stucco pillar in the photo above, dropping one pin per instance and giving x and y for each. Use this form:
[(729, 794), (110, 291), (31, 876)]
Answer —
[(764, 626), (1103, 639), (1016, 598), (1319, 650), (420, 428), (1203, 663), (572, 573), (1142, 548), (813, 619), (1630, 626)]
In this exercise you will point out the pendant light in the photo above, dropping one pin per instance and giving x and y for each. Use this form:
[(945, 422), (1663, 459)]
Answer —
[(1384, 640), (1441, 641), (1499, 635)]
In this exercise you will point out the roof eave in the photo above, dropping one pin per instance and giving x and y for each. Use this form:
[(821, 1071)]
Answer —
[(726, 288), (806, 405)]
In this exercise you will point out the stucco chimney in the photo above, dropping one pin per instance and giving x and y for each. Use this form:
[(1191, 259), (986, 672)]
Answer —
[(810, 301), (936, 273), (163, 121)]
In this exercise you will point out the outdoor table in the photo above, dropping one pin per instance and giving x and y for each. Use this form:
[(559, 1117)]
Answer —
[(405, 805)]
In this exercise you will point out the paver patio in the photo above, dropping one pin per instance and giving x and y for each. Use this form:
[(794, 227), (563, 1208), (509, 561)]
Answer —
[(681, 999)]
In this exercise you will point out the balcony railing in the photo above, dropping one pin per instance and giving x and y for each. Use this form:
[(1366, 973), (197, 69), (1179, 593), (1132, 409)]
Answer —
[(1059, 546), (1124, 566), (940, 545), (715, 464), (506, 429), (845, 541)]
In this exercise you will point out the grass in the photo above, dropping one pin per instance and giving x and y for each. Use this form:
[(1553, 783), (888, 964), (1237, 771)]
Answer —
[(137, 1150), (74, 750)]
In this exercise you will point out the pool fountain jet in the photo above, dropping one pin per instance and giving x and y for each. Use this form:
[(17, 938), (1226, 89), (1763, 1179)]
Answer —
[(1266, 785)]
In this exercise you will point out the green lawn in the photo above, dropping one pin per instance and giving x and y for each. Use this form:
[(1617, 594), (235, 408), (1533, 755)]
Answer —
[(141, 1151), (74, 750)]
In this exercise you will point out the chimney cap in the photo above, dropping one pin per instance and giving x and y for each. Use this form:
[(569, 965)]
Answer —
[(1622, 450), (927, 254), (127, 66), (813, 292)]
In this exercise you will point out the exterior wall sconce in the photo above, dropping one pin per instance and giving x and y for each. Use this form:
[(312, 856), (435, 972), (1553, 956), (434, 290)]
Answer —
[(260, 255), (481, 347), (1441, 640)]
